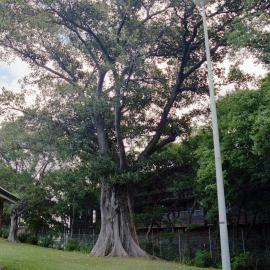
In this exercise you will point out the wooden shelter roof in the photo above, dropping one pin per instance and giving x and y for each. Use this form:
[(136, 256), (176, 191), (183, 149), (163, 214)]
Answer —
[(7, 196)]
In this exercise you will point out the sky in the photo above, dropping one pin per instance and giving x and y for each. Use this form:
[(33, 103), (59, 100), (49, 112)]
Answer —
[(249, 66), (11, 74)]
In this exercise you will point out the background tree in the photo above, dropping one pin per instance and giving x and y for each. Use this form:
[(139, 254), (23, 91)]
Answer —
[(252, 33), (34, 166), (243, 118), (131, 66)]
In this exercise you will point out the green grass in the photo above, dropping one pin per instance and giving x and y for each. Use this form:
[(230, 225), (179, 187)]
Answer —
[(28, 257)]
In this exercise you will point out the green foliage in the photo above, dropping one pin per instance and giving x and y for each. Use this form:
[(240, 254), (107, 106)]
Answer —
[(128, 41), (150, 215), (22, 237), (28, 237), (85, 247), (202, 259), (243, 122), (169, 252), (35, 206), (251, 32), (13, 181), (32, 239), (72, 245), (4, 233), (45, 241), (73, 191), (242, 262)]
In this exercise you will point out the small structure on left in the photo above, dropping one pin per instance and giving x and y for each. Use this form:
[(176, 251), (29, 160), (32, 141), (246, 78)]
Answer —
[(5, 196)]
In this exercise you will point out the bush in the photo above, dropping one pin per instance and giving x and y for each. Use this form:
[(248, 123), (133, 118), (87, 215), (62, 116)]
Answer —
[(22, 237), (28, 238), (169, 251), (202, 259), (242, 262), (85, 247), (72, 245), (4, 233), (32, 239), (45, 241)]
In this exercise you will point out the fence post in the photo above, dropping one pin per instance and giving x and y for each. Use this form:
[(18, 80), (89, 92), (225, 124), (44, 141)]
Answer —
[(179, 245), (210, 243), (153, 251), (243, 240), (93, 237), (65, 238), (160, 246)]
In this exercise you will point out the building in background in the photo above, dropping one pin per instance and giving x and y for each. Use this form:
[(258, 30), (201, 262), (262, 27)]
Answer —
[(5, 197)]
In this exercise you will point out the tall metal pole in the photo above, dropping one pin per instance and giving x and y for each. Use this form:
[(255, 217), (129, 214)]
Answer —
[(224, 239)]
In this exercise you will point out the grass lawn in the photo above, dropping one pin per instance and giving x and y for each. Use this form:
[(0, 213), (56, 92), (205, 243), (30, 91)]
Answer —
[(27, 257)]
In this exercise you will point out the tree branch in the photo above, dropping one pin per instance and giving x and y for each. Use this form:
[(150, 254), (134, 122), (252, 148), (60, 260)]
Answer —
[(99, 119), (163, 143), (33, 58), (117, 125), (175, 91), (85, 28), (94, 58), (150, 16)]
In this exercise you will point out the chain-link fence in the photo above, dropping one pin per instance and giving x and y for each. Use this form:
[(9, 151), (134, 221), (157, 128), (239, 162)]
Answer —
[(179, 245)]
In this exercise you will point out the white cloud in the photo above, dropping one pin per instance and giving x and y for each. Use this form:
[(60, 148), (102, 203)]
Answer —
[(10, 74), (252, 67)]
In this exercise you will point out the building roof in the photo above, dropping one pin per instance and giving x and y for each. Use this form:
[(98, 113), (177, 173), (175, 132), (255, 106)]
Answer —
[(7, 196)]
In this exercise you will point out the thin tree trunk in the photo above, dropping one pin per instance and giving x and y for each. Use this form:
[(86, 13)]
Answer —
[(117, 235), (12, 237), (148, 231)]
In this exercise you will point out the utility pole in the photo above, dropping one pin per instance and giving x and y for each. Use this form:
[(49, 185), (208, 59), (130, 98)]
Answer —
[(224, 239)]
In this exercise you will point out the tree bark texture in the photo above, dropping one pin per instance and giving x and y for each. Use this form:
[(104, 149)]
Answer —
[(12, 237), (117, 235)]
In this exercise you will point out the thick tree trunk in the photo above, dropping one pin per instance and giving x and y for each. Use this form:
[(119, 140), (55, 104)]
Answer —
[(117, 235), (12, 237)]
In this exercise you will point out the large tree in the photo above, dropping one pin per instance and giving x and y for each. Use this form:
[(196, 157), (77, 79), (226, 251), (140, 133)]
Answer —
[(129, 66)]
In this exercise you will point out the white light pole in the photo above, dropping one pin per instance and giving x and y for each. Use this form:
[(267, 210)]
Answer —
[(224, 239)]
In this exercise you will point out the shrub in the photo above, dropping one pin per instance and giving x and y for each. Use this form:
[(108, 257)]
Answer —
[(45, 241), (32, 239), (169, 251), (242, 262), (202, 259), (28, 238), (4, 233), (22, 237), (72, 245), (84, 247)]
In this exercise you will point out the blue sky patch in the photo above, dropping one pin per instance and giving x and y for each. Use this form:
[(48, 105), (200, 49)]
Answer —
[(6, 75)]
